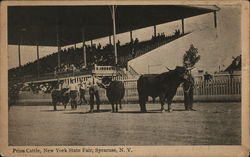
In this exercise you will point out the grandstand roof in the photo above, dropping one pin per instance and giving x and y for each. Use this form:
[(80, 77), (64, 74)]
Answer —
[(38, 24)]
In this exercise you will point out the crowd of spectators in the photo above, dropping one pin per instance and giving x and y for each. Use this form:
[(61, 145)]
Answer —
[(72, 58), (42, 87)]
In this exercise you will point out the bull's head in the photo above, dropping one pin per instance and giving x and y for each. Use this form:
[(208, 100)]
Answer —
[(182, 72), (106, 81), (64, 90)]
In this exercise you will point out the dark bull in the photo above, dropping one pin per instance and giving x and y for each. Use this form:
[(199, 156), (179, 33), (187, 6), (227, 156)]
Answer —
[(60, 96), (115, 91), (163, 85)]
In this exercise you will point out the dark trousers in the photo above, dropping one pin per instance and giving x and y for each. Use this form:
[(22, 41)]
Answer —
[(73, 99), (82, 96), (188, 99), (94, 93)]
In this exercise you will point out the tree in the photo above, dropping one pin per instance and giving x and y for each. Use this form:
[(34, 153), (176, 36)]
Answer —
[(191, 57)]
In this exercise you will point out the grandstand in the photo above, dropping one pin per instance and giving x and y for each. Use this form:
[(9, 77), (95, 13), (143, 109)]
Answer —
[(72, 63), (79, 62)]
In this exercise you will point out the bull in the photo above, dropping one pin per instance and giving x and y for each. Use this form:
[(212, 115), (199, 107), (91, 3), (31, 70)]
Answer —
[(162, 85), (60, 96), (115, 91)]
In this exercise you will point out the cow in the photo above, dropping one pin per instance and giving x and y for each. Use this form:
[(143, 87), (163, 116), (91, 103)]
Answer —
[(74, 99), (162, 85), (60, 96), (115, 91)]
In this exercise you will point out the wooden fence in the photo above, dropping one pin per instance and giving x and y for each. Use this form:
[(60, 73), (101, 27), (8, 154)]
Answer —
[(214, 90)]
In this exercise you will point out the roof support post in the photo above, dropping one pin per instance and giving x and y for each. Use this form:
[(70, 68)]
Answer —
[(131, 36), (215, 20), (114, 33), (58, 46), (19, 54), (91, 43), (84, 47), (110, 40), (182, 26), (37, 54), (154, 30)]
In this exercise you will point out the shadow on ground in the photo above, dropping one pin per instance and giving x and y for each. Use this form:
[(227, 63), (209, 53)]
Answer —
[(51, 110), (95, 111), (136, 112)]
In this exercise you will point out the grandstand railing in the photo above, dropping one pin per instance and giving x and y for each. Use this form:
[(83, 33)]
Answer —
[(54, 76), (132, 71), (104, 69)]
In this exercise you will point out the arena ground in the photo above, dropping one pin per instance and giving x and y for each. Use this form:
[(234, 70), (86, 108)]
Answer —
[(211, 124)]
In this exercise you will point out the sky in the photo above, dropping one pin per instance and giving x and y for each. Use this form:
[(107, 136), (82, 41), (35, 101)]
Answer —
[(216, 46)]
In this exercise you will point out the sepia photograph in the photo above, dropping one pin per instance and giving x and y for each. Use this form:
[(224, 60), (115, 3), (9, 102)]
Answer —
[(99, 79)]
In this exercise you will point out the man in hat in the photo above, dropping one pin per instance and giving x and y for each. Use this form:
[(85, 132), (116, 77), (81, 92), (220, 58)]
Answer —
[(74, 90), (93, 84), (82, 88), (188, 88)]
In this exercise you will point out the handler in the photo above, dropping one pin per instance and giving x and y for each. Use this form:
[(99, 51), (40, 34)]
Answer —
[(74, 90), (93, 85), (188, 88), (82, 88)]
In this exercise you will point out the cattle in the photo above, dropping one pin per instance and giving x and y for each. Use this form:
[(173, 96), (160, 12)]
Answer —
[(162, 85), (60, 96), (115, 91), (74, 99)]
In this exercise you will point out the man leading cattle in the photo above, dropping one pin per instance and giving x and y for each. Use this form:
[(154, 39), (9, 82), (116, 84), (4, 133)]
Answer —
[(74, 93), (165, 85), (93, 85), (190, 58), (82, 88), (188, 88)]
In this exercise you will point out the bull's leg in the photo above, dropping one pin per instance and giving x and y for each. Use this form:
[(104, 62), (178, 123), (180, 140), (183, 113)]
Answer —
[(162, 101), (71, 104), (113, 108), (169, 106), (74, 104), (54, 104), (64, 104), (116, 107), (142, 101), (120, 102)]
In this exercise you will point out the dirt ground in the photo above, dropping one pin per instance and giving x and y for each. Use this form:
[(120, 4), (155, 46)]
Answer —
[(211, 124)]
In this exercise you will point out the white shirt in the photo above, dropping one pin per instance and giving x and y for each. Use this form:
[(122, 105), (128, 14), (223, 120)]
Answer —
[(82, 85), (65, 85), (73, 86), (93, 82)]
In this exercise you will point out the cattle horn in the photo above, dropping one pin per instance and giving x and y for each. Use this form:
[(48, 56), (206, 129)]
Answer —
[(190, 68), (168, 68)]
